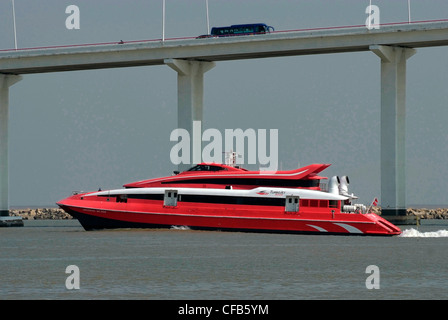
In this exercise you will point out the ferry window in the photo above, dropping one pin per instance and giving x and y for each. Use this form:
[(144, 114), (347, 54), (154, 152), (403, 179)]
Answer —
[(122, 198), (323, 203), (305, 203), (196, 168), (314, 203), (205, 168), (216, 168), (333, 203)]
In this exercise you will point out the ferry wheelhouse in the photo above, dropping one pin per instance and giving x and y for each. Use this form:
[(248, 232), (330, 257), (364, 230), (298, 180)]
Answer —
[(215, 175)]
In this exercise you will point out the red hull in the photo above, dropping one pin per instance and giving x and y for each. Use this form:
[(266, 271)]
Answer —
[(96, 213)]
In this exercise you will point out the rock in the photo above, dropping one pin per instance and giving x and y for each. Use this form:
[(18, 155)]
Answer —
[(376, 210), (39, 214), (424, 213)]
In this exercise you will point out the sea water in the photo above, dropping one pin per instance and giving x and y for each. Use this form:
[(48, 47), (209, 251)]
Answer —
[(183, 264)]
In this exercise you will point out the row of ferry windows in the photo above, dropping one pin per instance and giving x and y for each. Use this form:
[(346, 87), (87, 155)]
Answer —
[(303, 202), (315, 203), (319, 203)]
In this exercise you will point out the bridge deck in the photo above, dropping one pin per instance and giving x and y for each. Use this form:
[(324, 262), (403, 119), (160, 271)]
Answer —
[(278, 44)]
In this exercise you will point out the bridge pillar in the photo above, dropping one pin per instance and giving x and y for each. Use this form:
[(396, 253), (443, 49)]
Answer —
[(5, 82), (190, 96), (393, 124)]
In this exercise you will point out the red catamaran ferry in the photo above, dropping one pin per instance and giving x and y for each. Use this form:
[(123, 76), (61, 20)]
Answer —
[(213, 196)]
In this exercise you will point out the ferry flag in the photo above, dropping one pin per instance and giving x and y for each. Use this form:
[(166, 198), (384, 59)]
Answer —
[(375, 202)]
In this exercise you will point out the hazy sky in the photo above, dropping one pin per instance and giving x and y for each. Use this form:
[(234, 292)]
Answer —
[(102, 128)]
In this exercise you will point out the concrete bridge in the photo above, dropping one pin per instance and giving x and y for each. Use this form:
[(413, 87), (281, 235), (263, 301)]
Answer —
[(191, 58)]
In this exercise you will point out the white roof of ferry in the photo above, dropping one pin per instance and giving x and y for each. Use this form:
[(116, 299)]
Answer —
[(265, 192)]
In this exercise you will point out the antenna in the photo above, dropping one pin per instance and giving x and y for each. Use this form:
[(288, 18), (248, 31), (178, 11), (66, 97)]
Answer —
[(208, 21), (163, 20), (14, 20), (409, 11), (231, 158)]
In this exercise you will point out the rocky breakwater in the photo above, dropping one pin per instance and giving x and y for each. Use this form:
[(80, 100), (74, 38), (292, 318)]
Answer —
[(40, 214), (422, 213), (439, 213)]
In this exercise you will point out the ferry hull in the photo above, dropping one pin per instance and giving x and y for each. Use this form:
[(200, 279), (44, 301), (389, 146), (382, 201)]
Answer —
[(340, 224), (212, 196)]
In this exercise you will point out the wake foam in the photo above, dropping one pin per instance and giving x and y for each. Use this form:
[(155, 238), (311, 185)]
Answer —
[(180, 228), (412, 233)]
